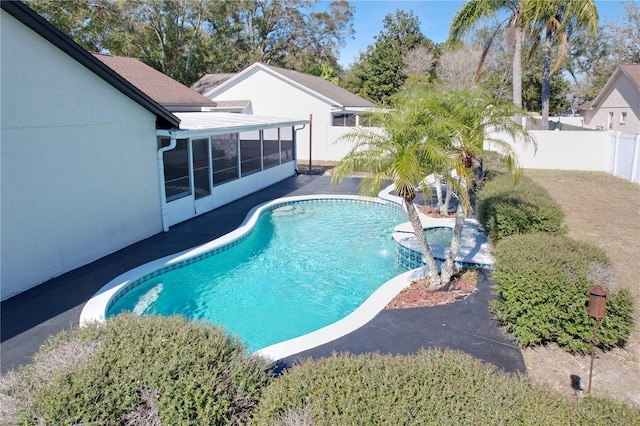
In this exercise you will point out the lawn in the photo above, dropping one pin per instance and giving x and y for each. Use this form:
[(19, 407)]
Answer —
[(603, 210)]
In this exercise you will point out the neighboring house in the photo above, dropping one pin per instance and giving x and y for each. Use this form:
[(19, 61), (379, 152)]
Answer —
[(332, 110), (93, 159), (617, 106)]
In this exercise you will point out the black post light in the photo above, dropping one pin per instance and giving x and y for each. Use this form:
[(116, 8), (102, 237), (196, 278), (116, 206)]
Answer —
[(597, 305)]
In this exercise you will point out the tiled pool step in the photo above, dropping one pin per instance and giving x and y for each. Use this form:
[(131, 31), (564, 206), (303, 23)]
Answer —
[(475, 249)]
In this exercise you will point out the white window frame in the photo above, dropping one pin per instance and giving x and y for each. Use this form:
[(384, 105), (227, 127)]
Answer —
[(610, 120), (623, 117)]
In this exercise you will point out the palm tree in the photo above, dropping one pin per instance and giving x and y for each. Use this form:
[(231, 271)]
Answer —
[(430, 131), (555, 21), (397, 150), (475, 11), (459, 119)]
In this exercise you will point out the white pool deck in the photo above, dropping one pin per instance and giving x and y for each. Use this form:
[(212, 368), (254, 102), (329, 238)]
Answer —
[(474, 246)]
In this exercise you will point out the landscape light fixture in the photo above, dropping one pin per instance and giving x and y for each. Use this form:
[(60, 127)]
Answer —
[(597, 305)]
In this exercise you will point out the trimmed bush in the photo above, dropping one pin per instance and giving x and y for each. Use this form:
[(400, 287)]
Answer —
[(542, 292), (429, 388), (141, 370), (506, 207)]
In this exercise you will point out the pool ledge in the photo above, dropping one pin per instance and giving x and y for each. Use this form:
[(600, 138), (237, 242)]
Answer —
[(362, 315), (474, 251), (96, 308)]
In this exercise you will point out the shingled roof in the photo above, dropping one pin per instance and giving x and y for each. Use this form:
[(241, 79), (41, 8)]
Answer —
[(326, 88), (158, 86), (633, 71), (209, 82), (630, 70), (336, 94)]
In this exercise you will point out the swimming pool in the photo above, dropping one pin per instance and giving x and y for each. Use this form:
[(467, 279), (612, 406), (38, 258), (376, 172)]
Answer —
[(304, 265), (475, 251)]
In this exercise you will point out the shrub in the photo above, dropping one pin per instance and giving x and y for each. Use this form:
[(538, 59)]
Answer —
[(429, 388), (506, 207), (542, 284), (142, 369)]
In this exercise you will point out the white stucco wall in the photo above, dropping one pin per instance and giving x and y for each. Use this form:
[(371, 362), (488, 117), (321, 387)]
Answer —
[(274, 96), (623, 96), (78, 164)]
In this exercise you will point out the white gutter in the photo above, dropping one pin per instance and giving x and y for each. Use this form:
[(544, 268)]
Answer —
[(163, 193)]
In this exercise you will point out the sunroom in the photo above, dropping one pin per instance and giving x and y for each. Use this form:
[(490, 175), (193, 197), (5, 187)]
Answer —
[(215, 158)]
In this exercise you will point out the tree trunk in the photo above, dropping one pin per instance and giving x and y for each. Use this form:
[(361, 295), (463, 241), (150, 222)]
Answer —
[(444, 209), (195, 34), (517, 72), (439, 191), (546, 81), (447, 267), (418, 230)]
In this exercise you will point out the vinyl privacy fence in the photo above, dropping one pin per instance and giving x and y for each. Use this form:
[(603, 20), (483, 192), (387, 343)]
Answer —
[(611, 152)]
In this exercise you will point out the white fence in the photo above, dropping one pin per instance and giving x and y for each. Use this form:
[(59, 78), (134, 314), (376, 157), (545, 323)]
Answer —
[(614, 153), (626, 157)]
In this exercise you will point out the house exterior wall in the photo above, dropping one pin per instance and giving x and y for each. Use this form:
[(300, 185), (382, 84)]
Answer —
[(78, 164), (274, 96), (623, 96)]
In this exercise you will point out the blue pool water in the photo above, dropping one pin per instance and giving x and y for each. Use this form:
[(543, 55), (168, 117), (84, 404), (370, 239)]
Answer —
[(305, 265)]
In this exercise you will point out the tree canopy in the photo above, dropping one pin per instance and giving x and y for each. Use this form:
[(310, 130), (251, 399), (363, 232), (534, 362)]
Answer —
[(188, 38), (430, 131), (594, 56), (552, 22), (380, 71)]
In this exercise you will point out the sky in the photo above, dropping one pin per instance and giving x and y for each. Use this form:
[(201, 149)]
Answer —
[(434, 15)]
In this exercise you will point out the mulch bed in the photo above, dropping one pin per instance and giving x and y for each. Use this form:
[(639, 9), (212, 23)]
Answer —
[(419, 295)]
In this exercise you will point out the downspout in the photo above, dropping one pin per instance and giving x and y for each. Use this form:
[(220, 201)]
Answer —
[(295, 143), (163, 193), (310, 138)]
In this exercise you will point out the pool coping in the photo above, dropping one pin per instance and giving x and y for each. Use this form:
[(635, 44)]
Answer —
[(96, 307), (94, 311), (372, 306)]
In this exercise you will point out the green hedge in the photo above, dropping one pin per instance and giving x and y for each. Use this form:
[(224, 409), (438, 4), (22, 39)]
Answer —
[(506, 207), (139, 370), (155, 370), (429, 388), (542, 284)]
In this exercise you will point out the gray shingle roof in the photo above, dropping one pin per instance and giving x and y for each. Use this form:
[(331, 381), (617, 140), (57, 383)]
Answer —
[(633, 71), (209, 82), (319, 85)]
